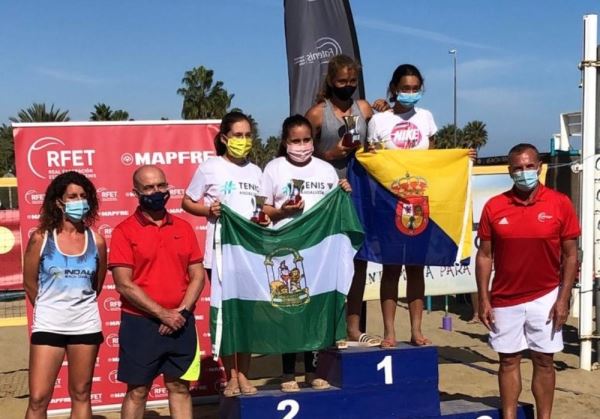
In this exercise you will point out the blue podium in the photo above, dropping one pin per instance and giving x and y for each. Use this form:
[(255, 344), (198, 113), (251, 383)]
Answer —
[(366, 383)]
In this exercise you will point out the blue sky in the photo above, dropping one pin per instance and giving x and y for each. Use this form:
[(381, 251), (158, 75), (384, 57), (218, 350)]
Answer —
[(517, 60)]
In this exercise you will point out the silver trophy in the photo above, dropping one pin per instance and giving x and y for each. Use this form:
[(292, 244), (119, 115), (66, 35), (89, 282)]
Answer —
[(352, 136)]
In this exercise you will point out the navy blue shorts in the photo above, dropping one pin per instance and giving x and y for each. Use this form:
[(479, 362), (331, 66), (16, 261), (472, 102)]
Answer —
[(144, 353)]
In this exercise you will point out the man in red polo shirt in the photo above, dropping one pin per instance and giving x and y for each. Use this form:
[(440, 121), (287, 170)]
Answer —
[(529, 236), (157, 268)]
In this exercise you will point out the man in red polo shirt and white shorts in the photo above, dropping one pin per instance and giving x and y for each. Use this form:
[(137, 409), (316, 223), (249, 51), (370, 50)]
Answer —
[(529, 235), (157, 268)]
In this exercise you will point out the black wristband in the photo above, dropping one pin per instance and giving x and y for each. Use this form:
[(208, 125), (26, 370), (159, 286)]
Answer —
[(185, 313)]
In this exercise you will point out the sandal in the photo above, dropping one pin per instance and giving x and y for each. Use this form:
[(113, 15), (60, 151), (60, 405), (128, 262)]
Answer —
[(232, 391), (315, 382), (388, 344), (341, 344), (290, 386), (366, 341)]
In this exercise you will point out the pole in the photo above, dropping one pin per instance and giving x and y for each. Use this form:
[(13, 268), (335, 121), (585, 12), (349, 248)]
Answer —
[(453, 52), (590, 42), (597, 214)]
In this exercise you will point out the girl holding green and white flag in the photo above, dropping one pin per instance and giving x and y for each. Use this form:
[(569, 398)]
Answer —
[(231, 179), (293, 183)]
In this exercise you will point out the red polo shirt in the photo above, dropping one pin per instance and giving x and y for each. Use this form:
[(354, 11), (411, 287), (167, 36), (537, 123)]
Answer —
[(526, 243), (158, 255)]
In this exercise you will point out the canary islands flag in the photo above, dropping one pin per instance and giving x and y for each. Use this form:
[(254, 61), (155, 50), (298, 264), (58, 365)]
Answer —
[(414, 205), (284, 290)]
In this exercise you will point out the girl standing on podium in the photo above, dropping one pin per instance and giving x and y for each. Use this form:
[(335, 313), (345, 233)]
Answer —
[(335, 101), (295, 161), (404, 126), (216, 181)]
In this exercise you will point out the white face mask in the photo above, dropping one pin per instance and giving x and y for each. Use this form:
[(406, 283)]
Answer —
[(300, 153)]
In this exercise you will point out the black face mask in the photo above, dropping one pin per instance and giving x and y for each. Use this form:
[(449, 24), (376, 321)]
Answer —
[(155, 201), (343, 93)]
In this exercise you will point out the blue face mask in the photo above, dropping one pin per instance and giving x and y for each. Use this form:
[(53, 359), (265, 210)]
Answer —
[(525, 180), (76, 210), (408, 100)]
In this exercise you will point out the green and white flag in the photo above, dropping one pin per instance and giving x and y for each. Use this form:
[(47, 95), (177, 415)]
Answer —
[(284, 290)]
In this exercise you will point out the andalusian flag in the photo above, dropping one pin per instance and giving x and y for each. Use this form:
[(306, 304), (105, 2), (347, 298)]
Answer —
[(284, 290), (415, 206)]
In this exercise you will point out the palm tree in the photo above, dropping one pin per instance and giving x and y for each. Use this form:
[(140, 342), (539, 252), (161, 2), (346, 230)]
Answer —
[(7, 150), (102, 112), (38, 113), (444, 138), (474, 135), (202, 99)]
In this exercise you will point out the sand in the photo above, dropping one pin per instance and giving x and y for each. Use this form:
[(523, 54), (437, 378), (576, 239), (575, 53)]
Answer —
[(467, 368)]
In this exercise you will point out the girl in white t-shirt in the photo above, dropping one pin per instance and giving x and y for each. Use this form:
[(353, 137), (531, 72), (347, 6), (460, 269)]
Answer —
[(407, 127), (231, 179), (295, 162)]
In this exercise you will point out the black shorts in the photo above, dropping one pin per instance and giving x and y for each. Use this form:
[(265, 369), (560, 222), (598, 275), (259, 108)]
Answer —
[(144, 353), (61, 341)]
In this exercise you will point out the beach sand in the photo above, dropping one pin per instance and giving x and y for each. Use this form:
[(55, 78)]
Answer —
[(467, 367)]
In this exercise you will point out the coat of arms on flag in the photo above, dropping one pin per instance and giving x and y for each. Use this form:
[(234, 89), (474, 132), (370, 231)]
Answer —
[(414, 205)]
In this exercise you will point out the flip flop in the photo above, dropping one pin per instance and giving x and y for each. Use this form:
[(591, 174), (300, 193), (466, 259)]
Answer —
[(388, 343), (248, 390), (231, 392), (365, 341), (315, 382), (420, 342), (290, 386)]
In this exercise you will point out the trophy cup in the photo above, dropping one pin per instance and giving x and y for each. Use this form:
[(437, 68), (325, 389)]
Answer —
[(258, 216), (352, 137), (295, 188)]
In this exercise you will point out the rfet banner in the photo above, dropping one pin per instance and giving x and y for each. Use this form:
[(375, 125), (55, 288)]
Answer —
[(108, 153)]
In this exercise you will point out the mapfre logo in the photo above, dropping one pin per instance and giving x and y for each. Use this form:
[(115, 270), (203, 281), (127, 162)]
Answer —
[(325, 48), (48, 156), (34, 197), (165, 157), (107, 195)]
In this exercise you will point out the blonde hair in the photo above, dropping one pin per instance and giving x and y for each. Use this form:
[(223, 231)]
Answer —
[(336, 64)]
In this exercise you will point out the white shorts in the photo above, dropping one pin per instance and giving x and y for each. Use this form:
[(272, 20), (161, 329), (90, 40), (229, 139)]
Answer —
[(526, 326)]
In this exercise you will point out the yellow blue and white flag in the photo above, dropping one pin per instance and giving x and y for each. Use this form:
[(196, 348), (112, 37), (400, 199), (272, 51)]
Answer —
[(414, 205)]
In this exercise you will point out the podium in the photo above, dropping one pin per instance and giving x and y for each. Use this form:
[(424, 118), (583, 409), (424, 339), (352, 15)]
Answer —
[(369, 383)]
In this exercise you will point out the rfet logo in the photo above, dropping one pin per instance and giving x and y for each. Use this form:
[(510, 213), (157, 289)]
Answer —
[(112, 340), (48, 154), (112, 304), (107, 195), (112, 377), (176, 193), (34, 197), (158, 392), (105, 230), (96, 398)]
